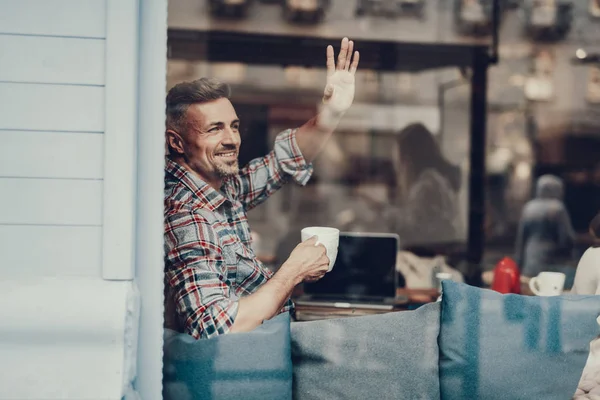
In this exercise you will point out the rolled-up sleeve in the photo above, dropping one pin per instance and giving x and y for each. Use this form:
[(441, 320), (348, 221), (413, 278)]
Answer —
[(263, 176), (196, 276)]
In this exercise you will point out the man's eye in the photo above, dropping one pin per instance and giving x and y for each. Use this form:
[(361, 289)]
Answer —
[(215, 129), (236, 127)]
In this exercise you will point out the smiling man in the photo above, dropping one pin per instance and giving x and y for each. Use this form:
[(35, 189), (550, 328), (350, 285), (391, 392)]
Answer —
[(214, 284)]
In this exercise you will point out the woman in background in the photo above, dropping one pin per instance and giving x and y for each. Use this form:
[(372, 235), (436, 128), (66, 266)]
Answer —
[(427, 190), (587, 282), (587, 276)]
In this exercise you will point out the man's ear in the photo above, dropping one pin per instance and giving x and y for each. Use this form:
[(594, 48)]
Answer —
[(174, 142)]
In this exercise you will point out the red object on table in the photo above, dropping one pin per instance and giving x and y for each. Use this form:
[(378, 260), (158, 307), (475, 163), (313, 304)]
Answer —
[(507, 278)]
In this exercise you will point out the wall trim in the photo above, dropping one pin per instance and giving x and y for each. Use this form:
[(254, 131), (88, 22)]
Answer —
[(150, 186), (120, 139), (68, 338)]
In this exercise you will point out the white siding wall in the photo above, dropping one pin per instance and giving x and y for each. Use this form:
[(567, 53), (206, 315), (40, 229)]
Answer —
[(67, 79), (68, 131), (52, 76)]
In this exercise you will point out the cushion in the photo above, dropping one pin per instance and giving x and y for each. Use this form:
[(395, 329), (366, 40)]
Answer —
[(589, 384), (495, 346), (252, 365), (385, 356)]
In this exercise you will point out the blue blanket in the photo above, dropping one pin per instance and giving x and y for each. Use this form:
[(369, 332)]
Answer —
[(387, 356), (250, 366)]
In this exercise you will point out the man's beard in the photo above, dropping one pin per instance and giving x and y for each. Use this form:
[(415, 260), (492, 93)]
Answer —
[(225, 170)]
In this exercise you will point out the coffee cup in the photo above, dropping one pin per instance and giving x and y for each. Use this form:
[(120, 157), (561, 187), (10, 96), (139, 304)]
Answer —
[(547, 283), (328, 237), (442, 276)]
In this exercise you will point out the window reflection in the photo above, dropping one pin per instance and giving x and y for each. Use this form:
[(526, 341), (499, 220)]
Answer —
[(391, 166)]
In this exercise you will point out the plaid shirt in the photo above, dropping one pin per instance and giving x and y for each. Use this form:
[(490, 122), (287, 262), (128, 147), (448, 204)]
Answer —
[(209, 262)]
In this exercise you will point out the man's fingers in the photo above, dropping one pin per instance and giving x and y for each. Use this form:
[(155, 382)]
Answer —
[(311, 240), (342, 56), (347, 58), (316, 277), (349, 55), (330, 60), (328, 92), (354, 64)]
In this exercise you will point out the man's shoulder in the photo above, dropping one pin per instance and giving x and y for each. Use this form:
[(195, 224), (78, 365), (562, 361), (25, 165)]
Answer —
[(181, 213), (177, 192)]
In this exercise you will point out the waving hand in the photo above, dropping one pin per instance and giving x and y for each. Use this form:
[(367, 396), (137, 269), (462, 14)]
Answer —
[(339, 90)]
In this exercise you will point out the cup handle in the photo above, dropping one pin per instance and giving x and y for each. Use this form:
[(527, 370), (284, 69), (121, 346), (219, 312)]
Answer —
[(533, 286)]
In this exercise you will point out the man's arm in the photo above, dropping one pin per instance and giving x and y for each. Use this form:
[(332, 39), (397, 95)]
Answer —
[(295, 150), (337, 99), (196, 273), (266, 302), (263, 176), (306, 263)]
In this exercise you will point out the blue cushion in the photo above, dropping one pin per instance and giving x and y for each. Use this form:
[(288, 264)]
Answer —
[(251, 366), (386, 356), (495, 346)]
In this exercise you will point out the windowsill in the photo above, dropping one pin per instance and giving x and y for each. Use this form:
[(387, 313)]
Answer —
[(74, 337)]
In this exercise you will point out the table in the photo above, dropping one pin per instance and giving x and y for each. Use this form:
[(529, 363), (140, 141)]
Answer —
[(408, 299)]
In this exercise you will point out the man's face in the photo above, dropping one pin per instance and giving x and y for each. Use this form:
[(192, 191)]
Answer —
[(211, 142)]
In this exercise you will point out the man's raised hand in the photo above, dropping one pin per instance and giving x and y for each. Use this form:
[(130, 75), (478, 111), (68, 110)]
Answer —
[(339, 90)]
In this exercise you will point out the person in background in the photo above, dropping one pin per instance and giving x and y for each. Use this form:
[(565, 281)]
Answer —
[(587, 275), (427, 209), (587, 282), (214, 283), (545, 237)]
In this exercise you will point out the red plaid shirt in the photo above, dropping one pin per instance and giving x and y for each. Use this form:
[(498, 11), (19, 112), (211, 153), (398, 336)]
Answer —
[(209, 262)]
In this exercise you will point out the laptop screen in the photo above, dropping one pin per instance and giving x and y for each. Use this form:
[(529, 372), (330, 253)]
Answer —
[(365, 266)]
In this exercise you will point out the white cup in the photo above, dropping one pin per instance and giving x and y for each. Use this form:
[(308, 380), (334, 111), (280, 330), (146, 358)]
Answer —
[(442, 276), (328, 237), (547, 283)]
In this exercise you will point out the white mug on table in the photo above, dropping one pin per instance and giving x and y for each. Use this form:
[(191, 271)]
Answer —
[(328, 237), (547, 283)]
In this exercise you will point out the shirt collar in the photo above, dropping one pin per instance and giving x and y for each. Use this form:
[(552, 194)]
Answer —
[(207, 195)]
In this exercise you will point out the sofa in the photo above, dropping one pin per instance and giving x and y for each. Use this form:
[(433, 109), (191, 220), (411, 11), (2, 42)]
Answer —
[(473, 344)]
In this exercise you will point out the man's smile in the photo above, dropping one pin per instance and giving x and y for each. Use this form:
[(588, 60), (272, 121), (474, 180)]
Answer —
[(229, 155)]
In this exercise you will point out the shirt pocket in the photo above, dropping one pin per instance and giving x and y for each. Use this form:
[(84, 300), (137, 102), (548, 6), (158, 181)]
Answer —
[(250, 272), (239, 261)]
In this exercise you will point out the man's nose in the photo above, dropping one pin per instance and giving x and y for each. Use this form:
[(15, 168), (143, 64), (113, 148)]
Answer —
[(231, 136)]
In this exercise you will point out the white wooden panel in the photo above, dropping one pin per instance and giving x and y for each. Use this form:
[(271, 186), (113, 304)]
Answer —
[(120, 139), (51, 60), (51, 154), (149, 232), (29, 250), (50, 201), (81, 18), (67, 338), (51, 107)]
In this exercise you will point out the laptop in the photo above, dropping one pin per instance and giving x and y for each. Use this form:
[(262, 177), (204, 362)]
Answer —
[(363, 276)]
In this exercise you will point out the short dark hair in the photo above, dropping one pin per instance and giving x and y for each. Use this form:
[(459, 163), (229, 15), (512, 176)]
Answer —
[(184, 94)]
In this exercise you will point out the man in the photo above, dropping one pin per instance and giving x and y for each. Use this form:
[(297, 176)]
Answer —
[(214, 284)]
